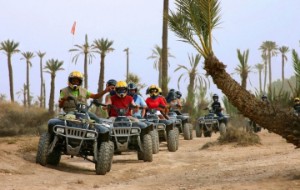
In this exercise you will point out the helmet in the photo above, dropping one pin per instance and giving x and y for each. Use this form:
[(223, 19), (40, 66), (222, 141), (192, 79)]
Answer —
[(111, 82), (153, 90), (147, 91), (296, 99), (131, 86), (264, 97), (159, 91), (215, 97), (121, 89), (75, 75), (171, 96), (179, 94)]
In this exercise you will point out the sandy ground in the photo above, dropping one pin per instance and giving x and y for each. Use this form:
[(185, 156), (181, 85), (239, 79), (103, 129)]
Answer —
[(274, 164)]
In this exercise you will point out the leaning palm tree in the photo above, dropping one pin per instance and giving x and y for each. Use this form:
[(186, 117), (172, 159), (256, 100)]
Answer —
[(86, 51), (10, 47), (103, 47), (259, 68), (51, 67), (283, 50), (194, 22), (243, 69), (196, 80), (270, 49), (28, 56), (41, 55), (157, 56), (164, 68)]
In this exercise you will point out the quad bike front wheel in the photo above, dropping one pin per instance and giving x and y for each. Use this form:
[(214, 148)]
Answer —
[(199, 129), (172, 140), (222, 129), (104, 158), (42, 156)]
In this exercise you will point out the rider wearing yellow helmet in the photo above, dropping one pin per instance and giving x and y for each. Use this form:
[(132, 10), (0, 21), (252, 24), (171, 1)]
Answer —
[(75, 90)]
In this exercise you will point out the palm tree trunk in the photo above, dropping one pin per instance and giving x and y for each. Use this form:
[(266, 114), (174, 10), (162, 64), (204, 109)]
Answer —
[(282, 71), (101, 76), (42, 82), (44, 88), (260, 85), (51, 99), (159, 73), (266, 115), (27, 81), (85, 71), (270, 74), (265, 78), (11, 79), (164, 85)]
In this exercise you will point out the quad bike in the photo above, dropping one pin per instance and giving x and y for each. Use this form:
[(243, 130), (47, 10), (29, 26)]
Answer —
[(75, 134), (127, 136), (182, 122), (251, 126), (211, 123), (163, 132)]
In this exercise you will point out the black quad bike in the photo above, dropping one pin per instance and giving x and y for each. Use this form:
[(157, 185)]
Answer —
[(129, 136), (211, 123), (75, 134), (163, 132), (182, 121)]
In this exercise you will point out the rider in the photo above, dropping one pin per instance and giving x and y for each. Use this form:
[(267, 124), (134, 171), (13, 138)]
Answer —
[(216, 106), (112, 84), (78, 94), (122, 100), (296, 105), (264, 98), (138, 100)]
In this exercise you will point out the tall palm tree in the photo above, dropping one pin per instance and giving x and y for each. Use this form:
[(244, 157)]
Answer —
[(51, 67), (195, 80), (270, 48), (102, 46), (194, 22), (265, 62), (157, 56), (283, 50), (10, 47), (164, 84), (23, 92), (243, 68), (259, 68), (87, 52), (28, 56), (41, 55)]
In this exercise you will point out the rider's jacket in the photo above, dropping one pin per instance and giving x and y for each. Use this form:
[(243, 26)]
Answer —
[(118, 102), (80, 95)]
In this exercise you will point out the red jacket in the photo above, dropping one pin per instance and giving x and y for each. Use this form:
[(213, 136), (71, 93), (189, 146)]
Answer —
[(118, 102)]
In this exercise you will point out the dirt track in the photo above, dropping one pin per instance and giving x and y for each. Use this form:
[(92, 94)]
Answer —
[(274, 164)]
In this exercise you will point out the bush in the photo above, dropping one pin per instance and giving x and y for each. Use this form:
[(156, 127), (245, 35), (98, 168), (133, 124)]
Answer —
[(17, 120)]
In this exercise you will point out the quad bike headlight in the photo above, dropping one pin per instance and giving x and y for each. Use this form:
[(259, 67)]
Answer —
[(134, 130), (60, 130), (90, 135), (160, 127)]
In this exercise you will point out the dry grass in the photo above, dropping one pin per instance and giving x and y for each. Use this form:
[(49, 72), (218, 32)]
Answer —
[(17, 120)]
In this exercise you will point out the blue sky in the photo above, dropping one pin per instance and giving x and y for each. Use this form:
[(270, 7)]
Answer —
[(45, 26)]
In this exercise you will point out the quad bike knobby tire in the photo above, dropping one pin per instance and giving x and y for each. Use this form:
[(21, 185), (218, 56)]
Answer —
[(155, 141), (198, 129), (172, 140), (104, 158), (222, 129)]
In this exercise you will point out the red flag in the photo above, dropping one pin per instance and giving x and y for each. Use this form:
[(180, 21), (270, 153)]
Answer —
[(73, 28)]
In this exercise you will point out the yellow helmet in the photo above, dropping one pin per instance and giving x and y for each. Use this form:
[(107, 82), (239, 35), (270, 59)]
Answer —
[(159, 90), (153, 90), (296, 99), (75, 75), (121, 89)]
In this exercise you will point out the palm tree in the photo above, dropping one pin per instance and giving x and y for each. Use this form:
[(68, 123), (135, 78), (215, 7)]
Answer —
[(10, 47), (41, 55), (270, 49), (102, 46), (23, 92), (259, 67), (194, 22), (157, 56), (243, 68), (28, 56), (84, 49), (51, 67), (283, 50), (164, 58), (195, 80), (265, 62)]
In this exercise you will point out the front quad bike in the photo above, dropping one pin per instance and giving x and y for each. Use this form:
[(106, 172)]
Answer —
[(128, 136), (182, 121), (211, 123), (168, 133), (75, 134)]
